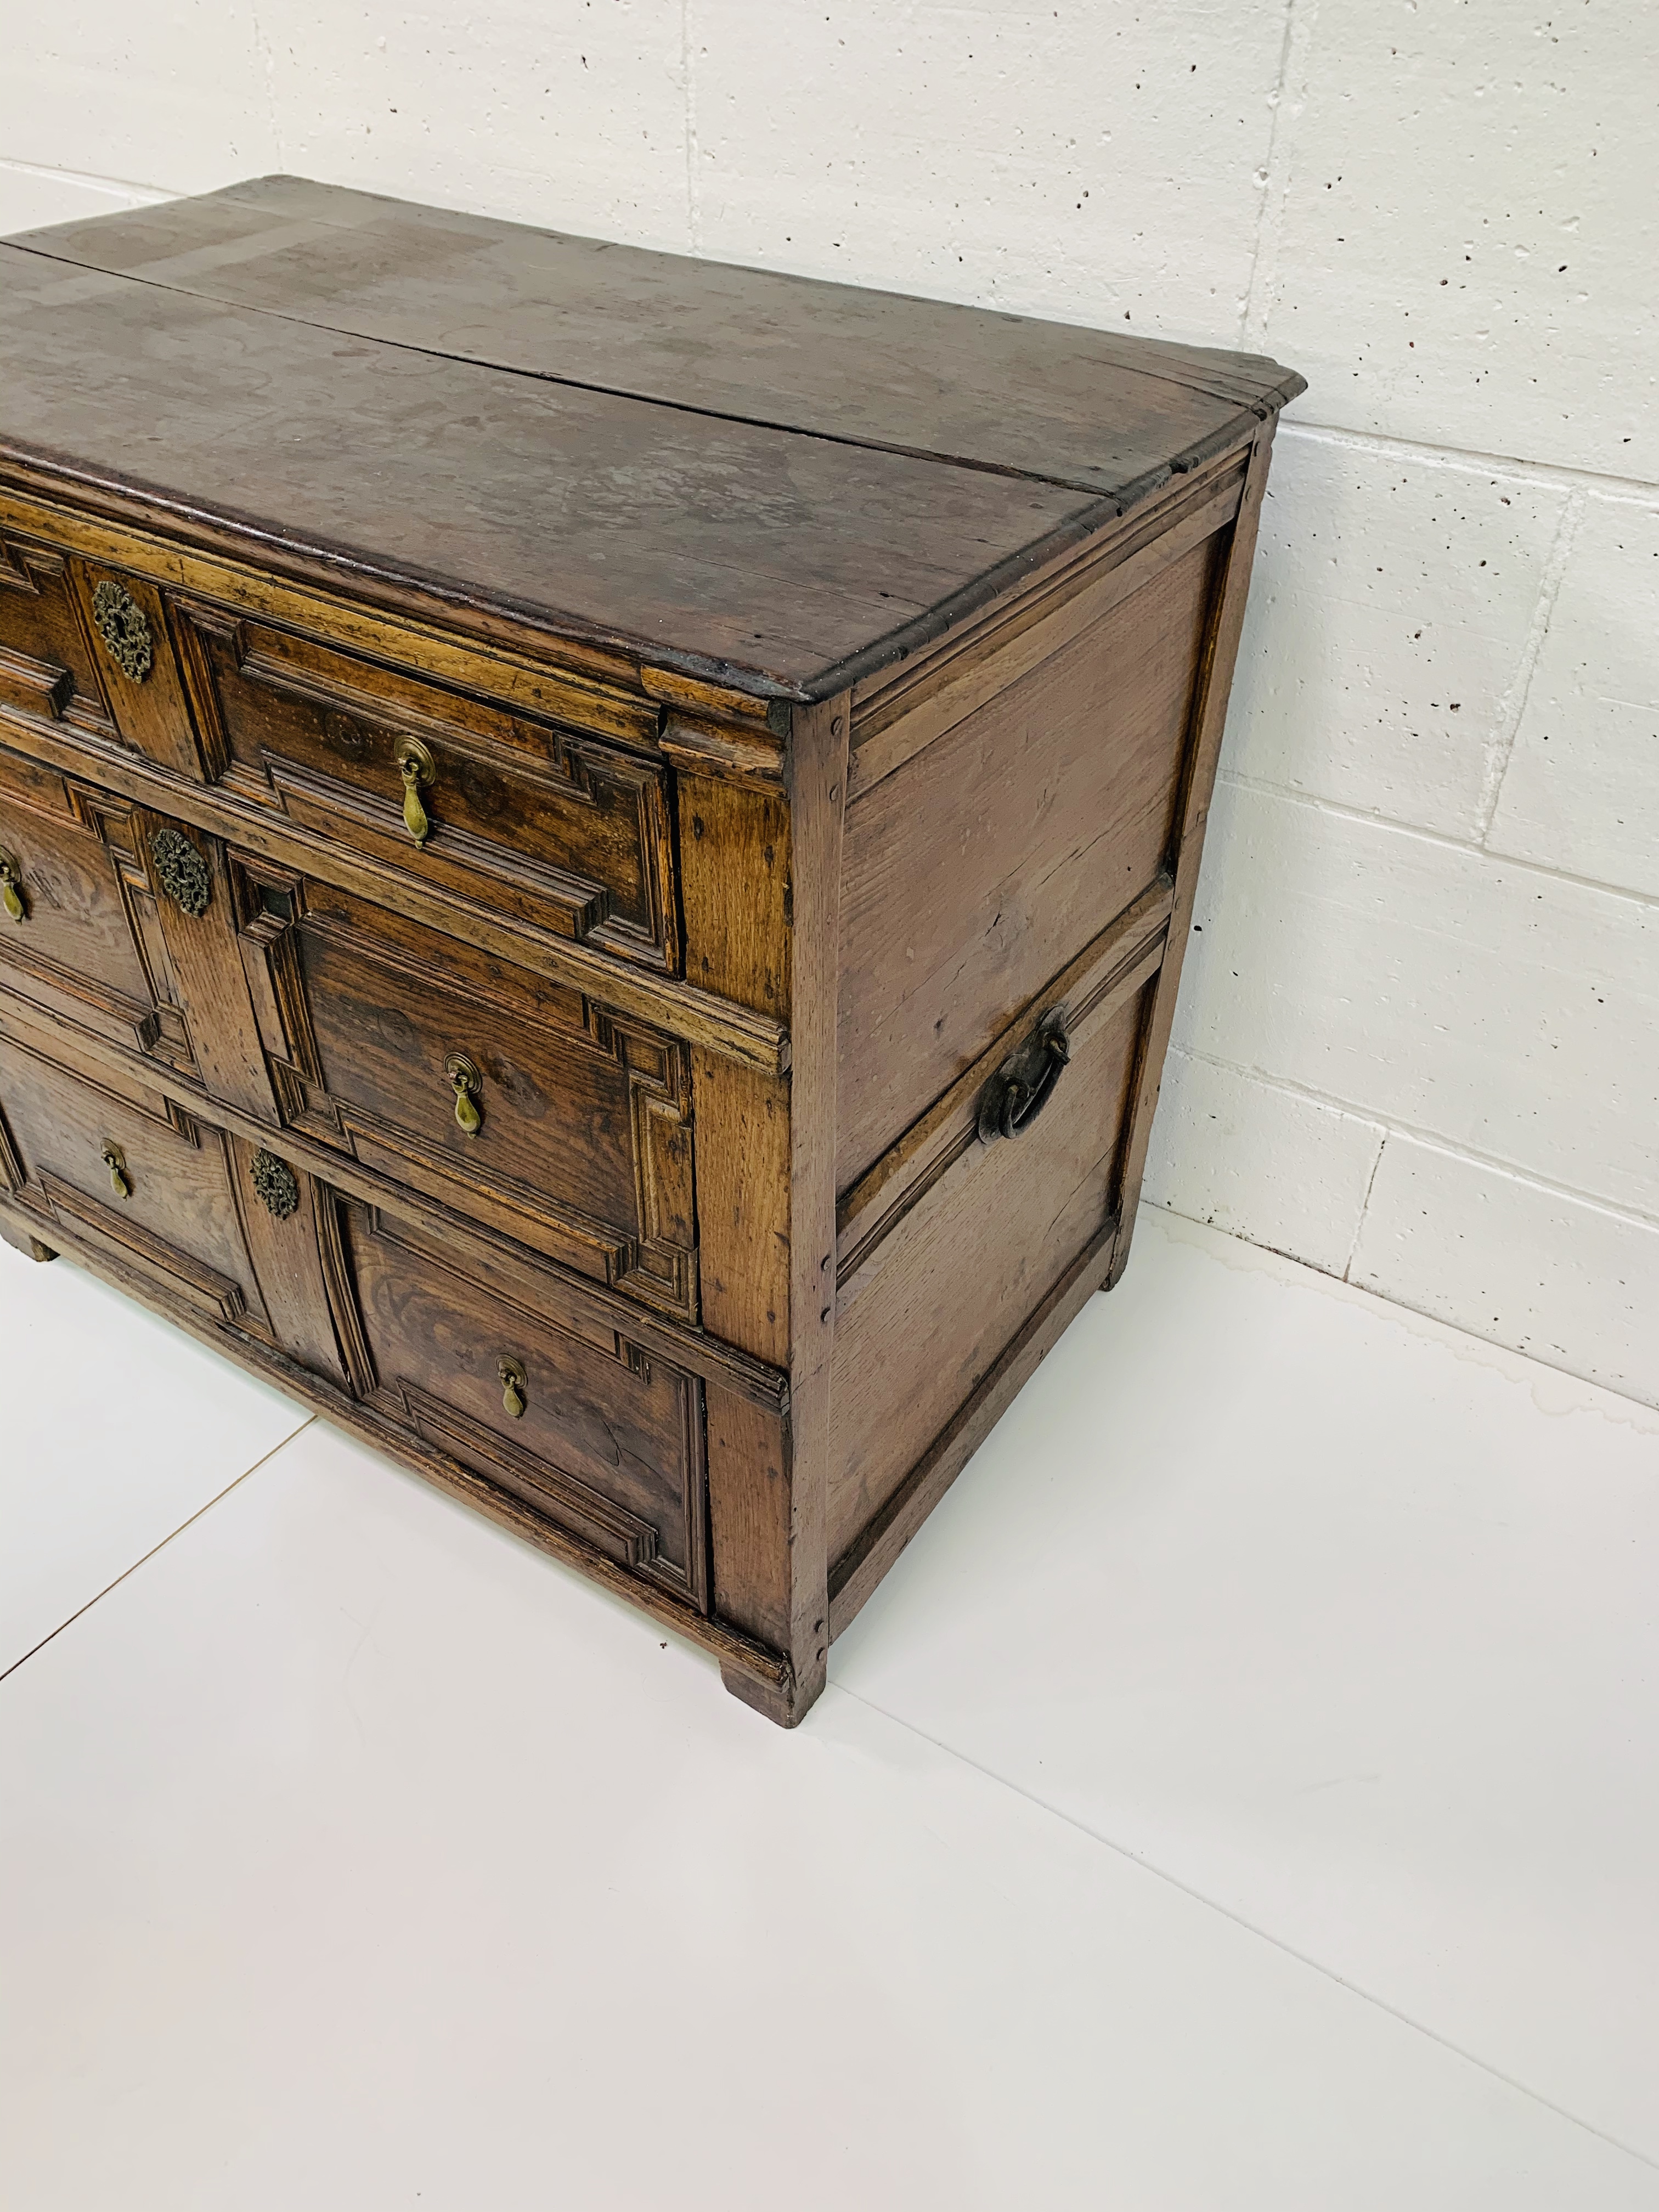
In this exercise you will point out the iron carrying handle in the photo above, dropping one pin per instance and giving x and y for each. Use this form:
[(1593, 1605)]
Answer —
[(1023, 1086)]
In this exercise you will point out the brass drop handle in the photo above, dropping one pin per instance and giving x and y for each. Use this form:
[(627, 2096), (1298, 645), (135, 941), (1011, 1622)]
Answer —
[(469, 1089), (514, 1386), (11, 888), (115, 1160), (416, 768)]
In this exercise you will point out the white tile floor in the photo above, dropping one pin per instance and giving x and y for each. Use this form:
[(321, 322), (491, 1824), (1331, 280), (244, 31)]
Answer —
[(1241, 1794)]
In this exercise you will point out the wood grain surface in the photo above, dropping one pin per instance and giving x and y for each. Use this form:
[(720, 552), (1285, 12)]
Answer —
[(609, 1444), (1000, 849), (971, 1262), (1108, 414), (797, 513), (756, 555)]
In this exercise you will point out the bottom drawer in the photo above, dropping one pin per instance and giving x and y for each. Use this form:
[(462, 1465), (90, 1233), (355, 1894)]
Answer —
[(103, 1157), (525, 1382), (570, 1417)]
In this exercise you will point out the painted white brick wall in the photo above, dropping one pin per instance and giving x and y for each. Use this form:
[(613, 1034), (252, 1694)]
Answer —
[(1419, 1038)]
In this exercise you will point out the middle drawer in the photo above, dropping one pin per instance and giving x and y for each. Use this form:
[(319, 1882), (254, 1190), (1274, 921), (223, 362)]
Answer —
[(513, 1099)]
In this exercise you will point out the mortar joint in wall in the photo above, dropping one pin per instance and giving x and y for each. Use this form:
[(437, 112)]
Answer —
[(1513, 705), (1366, 1205), (1285, 104)]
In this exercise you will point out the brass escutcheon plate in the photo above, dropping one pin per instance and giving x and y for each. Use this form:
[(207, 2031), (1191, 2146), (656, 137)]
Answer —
[(120, 624), (276, 1185), (181, 870)]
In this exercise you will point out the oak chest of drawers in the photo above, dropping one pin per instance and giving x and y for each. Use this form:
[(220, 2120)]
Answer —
[(595, 852)]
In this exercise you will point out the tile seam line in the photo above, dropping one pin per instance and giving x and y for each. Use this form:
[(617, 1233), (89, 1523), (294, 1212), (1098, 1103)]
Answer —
[(1436, 1140), (1642, 489), (1243, 414), (1242, 780), (217, 1499), (1262, 1934)]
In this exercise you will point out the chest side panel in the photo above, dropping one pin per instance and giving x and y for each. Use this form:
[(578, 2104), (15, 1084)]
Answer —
[(943, 1260), (979, 865)]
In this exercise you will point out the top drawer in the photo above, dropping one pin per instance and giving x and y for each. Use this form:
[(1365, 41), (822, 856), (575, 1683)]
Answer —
[(531, 815), (89, 646), (546, 823)]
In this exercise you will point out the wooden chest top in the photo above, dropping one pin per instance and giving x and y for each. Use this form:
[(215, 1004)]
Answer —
[(774, 483)]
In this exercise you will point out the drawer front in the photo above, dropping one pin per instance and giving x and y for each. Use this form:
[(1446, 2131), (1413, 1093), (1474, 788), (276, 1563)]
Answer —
[(569, 1418), (507, 1098), (48, 670), (135, 1177), (92, 646), (119, 922), (80, 936), (538, 821)]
